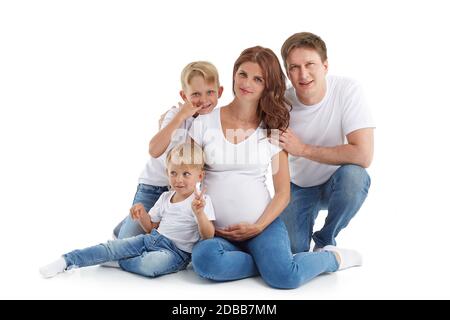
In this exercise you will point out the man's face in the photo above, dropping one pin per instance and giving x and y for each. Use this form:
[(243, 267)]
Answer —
[(307, 74)]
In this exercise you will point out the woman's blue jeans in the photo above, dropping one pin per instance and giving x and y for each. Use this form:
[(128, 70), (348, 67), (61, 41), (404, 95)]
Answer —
[(147, 195), (342, 195), (149, 255), (268, 254)]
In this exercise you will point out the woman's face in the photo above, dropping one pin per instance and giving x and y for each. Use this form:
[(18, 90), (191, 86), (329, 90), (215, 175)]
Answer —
[(249, 82)]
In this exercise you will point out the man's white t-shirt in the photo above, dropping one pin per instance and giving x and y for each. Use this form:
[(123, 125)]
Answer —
[(326, 124), (177, 220), (235, 173), (154, 173)]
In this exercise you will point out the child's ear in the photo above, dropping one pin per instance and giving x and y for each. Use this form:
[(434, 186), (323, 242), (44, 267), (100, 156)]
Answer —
[(201, 175), (219, 92), (183, 96)]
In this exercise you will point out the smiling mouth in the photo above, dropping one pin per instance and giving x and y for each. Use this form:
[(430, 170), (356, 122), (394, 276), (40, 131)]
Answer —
[(245, 91), (304, 84)]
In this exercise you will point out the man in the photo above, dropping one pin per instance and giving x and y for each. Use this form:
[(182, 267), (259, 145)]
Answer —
[(329, 141)]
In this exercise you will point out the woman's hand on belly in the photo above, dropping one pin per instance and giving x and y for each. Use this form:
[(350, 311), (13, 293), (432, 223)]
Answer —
[(239, 232)]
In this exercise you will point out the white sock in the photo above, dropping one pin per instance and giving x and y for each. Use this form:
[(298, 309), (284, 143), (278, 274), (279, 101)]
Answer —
[(52, 269), (349, 258)]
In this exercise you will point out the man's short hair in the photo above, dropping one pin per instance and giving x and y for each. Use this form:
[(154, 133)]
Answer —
[(304, 40)]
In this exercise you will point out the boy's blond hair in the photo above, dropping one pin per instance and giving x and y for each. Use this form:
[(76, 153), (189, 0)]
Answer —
[(204, 69), (188, 153)]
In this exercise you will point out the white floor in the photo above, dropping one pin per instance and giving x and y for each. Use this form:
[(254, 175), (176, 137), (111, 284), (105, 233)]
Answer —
[(392, 270), (375, 280)]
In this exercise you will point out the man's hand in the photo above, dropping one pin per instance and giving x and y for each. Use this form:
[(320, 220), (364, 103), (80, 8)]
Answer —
[(239, 232), (291, 143)]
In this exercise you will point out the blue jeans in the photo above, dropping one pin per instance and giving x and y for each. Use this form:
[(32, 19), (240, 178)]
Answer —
[(147, 195), (343, 195), (149, 255), (268, 254)]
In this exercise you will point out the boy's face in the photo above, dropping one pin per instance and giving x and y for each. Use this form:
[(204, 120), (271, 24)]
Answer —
[(182, 178), (201, 93)]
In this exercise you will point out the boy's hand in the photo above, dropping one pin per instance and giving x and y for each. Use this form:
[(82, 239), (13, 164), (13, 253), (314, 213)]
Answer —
[(187, 109), (198, 204), (138, 211)]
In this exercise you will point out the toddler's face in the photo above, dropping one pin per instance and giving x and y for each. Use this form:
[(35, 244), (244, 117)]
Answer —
[(182, 178)]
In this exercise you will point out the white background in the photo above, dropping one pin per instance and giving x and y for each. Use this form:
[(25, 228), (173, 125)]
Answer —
[(82, 85)]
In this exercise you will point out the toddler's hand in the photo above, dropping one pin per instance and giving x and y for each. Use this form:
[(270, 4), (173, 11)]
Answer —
[(137, 211), (198, 204)]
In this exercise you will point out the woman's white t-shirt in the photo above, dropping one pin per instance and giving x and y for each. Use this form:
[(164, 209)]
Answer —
[(235, 173)]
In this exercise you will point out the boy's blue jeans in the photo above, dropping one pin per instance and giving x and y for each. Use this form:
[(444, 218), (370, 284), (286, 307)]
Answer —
[(343, 195), (149, 255), (147, 195), (268, 254)]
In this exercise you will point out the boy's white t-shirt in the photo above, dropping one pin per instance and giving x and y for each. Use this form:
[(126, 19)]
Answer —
[(177, 220), (154, 172), (326, 124), (235, 173)]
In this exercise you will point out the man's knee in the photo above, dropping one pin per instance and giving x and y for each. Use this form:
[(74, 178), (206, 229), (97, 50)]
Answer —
[(352, 178)]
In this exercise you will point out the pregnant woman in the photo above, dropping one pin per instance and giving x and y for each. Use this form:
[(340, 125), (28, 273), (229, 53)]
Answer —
[(250, 238)]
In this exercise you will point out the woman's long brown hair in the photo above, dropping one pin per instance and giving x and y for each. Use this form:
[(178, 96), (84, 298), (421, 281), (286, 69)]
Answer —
[(272, 107)]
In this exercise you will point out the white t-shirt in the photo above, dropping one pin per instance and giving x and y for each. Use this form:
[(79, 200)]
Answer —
[(177, 221), (235, 173), (154, 173), (326, 124)]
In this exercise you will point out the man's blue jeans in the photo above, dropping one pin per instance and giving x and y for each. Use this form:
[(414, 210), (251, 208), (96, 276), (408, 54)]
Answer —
[(150, 255), (147, 195), (342, 195), (268, 254)]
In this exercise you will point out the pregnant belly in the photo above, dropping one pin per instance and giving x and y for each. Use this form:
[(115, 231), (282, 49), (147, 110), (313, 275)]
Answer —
[(242, 202)]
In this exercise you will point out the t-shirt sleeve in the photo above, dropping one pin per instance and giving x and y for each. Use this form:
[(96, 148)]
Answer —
[(170, 114), (156, 211), (209, 209), (179, 135), (197, 130), (356, 112), (274, 149)]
